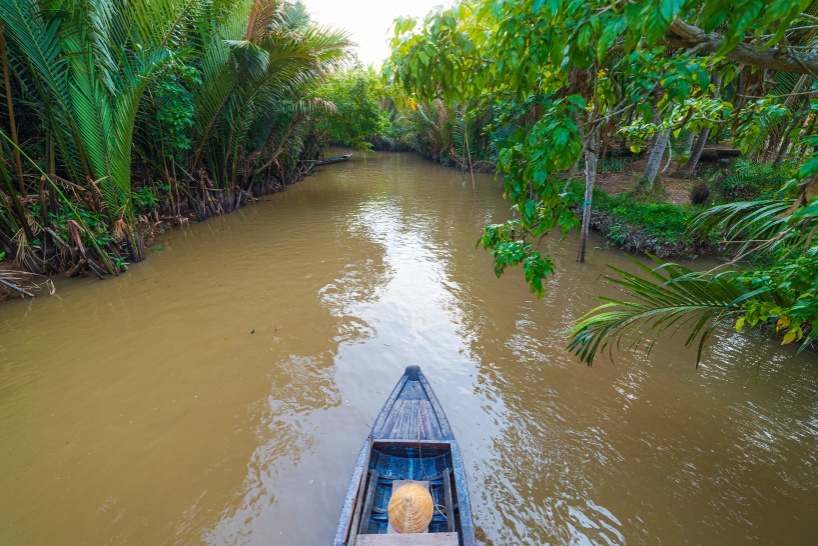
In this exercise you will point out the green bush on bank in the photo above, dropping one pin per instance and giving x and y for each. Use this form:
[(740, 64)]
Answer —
[(746, 179), (660, 220), (637, 225)]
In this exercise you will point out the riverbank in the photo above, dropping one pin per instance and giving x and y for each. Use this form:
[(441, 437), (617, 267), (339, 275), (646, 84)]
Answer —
[(638, 225), (163, 211), (13, 282)]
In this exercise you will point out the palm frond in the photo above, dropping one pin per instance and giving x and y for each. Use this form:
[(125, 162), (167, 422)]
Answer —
[(748, 224), (668, 296)]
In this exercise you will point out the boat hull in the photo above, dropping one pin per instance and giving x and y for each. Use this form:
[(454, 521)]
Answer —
[(330, 160), (411, 440)]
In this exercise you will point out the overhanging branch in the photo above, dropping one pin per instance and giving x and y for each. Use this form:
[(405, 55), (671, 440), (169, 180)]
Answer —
[(685, 35)]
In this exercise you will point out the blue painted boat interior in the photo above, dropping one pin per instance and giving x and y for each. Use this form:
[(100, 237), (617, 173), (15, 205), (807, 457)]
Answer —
[(409, 461)]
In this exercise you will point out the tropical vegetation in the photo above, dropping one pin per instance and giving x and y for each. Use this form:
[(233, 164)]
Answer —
[(567, 83), (119, 114), (357, 118)]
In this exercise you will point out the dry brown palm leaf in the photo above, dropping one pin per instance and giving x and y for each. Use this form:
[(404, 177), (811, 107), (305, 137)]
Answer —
[(120, 229), (76, 231), (13, 280)]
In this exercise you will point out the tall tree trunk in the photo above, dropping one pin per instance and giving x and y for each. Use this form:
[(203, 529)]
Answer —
[(696, 154), (647, 182), (693, 161), (689, 144), (468, 152), (782, 148), (590, 176)]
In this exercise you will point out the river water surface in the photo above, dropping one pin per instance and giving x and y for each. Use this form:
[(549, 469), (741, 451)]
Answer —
[(144, 410)]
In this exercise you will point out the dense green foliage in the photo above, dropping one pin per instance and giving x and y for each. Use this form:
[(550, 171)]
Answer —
[(357, 118), (115, 108), (565, 79), (747, 179), (658, 224)]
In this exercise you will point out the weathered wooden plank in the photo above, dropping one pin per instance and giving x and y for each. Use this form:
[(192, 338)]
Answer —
[(410, 423), (431, 425), (428, 539), (447, 495), (461, 486), (369, 499), (344, 522), (353, 527), (377, 428)]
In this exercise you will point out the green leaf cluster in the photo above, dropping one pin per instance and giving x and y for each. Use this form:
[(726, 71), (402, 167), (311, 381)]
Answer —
[(557, 74), (356, 118)]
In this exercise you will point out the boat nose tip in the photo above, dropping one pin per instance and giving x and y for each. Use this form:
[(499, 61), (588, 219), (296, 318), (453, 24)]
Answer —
[(412, 372)]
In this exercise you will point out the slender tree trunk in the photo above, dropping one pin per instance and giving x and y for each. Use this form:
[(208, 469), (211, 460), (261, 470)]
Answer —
[(693, 161), (590, 176), (689, 144), (468, 152), (656, 149), (696, 154), (782, 148), (647, 182), (669, 158)]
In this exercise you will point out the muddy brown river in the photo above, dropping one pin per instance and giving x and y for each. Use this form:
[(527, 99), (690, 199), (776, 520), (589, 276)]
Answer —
[(144, 410)]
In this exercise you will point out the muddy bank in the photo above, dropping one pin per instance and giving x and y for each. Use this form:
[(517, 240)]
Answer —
[(13, 282), (25, 274)]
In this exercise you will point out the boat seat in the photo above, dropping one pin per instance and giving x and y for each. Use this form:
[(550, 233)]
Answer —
[(428, 539), (397, 484), (393, 538)]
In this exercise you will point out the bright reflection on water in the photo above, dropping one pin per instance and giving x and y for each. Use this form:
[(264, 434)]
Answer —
[(144, 411)]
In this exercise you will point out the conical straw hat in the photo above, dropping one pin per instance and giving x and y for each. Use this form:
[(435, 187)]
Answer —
[(410, 509)]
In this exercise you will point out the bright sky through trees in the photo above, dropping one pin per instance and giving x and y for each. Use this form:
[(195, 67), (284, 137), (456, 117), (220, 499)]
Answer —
[(369, 21)]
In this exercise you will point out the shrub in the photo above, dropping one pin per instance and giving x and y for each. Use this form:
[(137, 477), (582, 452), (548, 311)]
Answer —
[(746, 180), (613, 165)]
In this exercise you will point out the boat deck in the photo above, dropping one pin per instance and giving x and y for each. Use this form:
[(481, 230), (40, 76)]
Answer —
[(412, 413)]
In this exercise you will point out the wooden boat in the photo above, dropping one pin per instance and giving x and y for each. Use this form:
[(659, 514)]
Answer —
[(410, 440), (338, 159)]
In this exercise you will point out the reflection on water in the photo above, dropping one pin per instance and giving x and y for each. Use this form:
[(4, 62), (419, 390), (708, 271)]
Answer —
[(219, 392)]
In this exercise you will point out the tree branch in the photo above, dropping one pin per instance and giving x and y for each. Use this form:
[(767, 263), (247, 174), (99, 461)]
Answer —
[(684, 35)]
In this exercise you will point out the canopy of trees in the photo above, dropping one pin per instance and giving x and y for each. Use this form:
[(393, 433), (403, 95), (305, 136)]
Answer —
[(564, 80), (356, 113)]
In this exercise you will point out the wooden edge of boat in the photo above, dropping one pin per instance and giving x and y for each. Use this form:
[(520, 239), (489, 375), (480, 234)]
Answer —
[(464, 503), (354, 489)]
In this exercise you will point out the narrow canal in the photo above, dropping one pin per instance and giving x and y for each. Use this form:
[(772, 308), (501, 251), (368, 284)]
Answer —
[(218, 393)]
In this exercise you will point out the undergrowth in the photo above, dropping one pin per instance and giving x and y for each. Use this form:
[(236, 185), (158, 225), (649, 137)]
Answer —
[(645, 225), (746, 180)]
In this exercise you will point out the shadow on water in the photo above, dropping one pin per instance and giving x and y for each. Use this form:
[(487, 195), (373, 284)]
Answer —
[(143, 410)]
